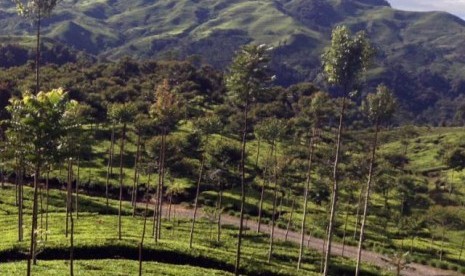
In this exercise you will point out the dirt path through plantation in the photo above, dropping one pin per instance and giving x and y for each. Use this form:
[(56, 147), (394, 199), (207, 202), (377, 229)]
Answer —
[(374, 258)]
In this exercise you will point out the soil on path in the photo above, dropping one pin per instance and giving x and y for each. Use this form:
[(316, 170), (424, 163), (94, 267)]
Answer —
[(377, 259)]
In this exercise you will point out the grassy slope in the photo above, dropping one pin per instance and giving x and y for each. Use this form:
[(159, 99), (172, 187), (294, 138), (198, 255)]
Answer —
[(422, 153), (427, 165), (96, 232)]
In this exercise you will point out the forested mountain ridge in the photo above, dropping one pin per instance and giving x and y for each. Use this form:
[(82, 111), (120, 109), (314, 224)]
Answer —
[(419, 54)]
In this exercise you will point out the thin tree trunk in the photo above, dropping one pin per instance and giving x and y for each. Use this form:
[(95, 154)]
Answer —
[(367, 198), (219, 206), (262, 194), (141, 244), (441, 251), (290, 219), (110, 163), (155, 206), (335, 190), (411, 243), (324, 250), (280, 205), (16, 182), (69, 205), (134, 186), (308, 240), (399, 266), (32, 256), (197, 192), (41, 209), (451, 186), (262, 188), (357, 215), (169, 207), (461, 248), (345, 231), (47, 202), (2, 172), (121, 154), (154, 217), (71, 250), (242, 169), (39, 18), (431, 244), (20, 202), (68, 189), (258, 152), (306, 191), (77, 187), (160, 200), (260, 207), (275, 201)]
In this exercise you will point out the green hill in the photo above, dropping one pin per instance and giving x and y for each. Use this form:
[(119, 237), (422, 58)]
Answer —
[(419, 54)]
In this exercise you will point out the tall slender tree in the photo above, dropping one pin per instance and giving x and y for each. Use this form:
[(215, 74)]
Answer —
[(36, 10), (315, 113), (207, 126), (142, 124), (124, 114), (111, 115), (73, 144), (268, 130), (271, 130), (166, 111), (149, 172), (379, 108), (40, 118), (279, 166), (17, 147), (343, 62), (246, 81)]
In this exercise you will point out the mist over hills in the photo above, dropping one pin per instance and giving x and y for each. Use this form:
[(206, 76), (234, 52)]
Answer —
[(420, 55)]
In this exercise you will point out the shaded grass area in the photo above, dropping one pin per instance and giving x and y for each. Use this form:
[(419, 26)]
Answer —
[(107, 267)]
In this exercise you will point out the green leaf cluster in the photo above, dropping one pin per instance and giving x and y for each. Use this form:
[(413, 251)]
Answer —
[(346, 57)]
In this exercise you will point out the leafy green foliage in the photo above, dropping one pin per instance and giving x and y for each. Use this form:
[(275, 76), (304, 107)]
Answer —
[(346, 58), (379, 107), (38, 122), (35, 8), (248, 74)]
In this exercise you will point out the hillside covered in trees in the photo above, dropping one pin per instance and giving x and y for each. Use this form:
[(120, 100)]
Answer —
[(419, 54)]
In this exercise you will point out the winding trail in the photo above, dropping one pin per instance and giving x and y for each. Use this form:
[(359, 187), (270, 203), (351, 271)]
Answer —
[(377, 259)]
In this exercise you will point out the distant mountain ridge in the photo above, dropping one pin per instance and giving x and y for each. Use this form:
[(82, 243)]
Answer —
[(421, 55)]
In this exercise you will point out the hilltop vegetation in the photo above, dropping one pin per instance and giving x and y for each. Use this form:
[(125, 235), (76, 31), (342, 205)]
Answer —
[(420, 54)]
